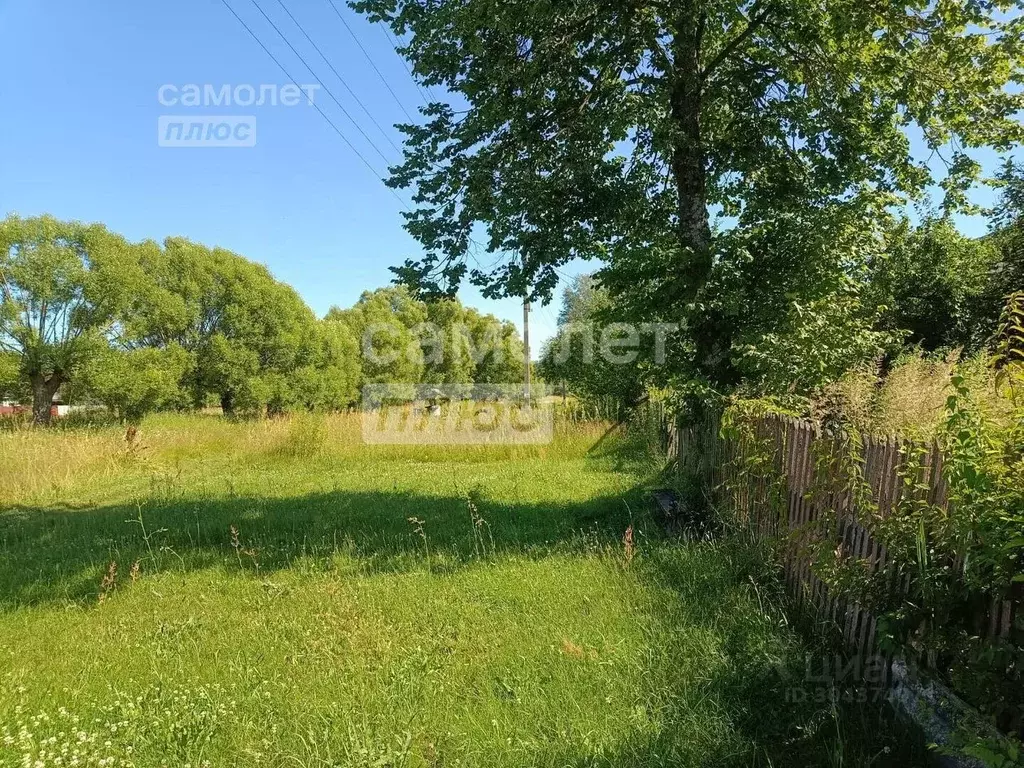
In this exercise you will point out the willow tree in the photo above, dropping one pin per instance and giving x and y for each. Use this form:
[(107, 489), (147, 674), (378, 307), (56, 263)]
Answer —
[(246, 333), (616, 128), (63, 289)]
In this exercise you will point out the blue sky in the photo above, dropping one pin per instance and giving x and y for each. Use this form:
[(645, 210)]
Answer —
[(79, 88)]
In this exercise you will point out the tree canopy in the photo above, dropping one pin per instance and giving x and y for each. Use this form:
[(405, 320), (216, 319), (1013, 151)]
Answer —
[(615, 130), (63, 286), (583, 355), (934, 284), (137, 327), (406, 340)]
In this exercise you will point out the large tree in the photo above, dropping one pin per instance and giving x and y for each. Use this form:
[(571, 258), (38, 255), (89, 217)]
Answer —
[(133, 383), (386, 322), (445, 341), (331, 377), (585, 355), (496, 348), (404, 340), (463, 346), (63, 287), (246, 332), (614, 129)]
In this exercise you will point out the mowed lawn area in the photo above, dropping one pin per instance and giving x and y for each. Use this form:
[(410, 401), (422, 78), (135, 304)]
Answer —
[(278, 594)]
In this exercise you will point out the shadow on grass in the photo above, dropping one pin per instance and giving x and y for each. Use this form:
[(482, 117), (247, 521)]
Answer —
[(56, 555), (754, 706)]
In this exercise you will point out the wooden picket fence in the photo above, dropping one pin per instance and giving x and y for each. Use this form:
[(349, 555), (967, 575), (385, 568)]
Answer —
[(795, 484)]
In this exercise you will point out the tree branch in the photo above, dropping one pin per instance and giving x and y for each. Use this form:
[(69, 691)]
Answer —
[(756, 20), (6, 286)]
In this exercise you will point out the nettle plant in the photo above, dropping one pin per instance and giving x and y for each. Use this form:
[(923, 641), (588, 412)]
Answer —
[(752, 462), (949, 564), (952, 557)]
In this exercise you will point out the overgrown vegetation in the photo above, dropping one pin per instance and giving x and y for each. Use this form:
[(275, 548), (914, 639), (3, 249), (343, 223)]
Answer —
[(951, 558), (276, 593), (742, 171)]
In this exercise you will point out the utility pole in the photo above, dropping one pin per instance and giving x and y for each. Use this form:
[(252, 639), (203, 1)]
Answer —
[(526, 347), (525, 334)]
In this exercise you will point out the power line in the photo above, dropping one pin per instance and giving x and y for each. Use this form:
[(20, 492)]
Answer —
[(550, 316), (338, 75), (570, 278), (321, 82), (369, 59), (316, 106)]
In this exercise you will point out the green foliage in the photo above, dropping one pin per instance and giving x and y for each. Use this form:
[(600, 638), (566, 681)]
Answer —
[(985, 473), (447, 355), (814, 344), (10, 374), (962, 558), (584, 355), (933, 284), (141, 327), (991, 752), (386, 322), (63, 285), (1008, 234), (949, 557), (751, 465), (497, 349), (1008, 345), (1010, 209), (331, 380), (610, 131), (404, 340), (134, 383), (246, 331), (946, 564)]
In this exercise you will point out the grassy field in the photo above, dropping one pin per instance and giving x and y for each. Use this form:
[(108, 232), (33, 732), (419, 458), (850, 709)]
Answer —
[(277, 594)]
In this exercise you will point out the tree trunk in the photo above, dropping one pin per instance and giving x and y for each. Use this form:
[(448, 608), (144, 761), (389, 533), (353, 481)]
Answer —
[(43, 390), (711, 333), (688, 162), (227, 404)]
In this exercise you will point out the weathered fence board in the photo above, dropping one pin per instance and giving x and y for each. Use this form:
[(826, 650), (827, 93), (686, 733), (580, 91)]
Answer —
[(806, 464)]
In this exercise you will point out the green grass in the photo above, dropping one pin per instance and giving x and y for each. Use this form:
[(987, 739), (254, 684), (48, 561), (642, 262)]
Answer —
[(386, 607)]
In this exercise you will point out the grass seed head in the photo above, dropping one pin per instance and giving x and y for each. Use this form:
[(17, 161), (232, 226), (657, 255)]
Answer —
[(108, 582)]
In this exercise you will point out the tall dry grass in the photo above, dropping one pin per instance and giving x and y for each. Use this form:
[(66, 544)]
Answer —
[(38, 463), (910, 398), (48, 466)]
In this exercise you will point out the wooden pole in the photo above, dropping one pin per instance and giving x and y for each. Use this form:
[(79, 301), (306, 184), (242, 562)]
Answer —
[(526, 347)]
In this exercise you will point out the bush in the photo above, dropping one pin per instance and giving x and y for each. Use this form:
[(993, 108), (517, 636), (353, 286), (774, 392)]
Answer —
[(954, 560)]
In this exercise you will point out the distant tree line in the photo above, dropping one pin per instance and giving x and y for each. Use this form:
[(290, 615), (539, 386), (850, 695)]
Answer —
[(138, 327)]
